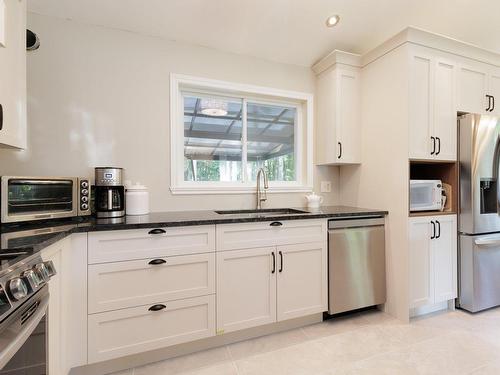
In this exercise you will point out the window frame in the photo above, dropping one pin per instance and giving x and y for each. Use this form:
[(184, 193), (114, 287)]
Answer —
[(303, 102)]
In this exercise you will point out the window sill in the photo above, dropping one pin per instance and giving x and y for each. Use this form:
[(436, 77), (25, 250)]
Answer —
[(191, 190)]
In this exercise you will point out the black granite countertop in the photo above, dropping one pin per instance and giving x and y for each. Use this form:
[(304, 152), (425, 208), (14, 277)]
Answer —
[(32, 237)]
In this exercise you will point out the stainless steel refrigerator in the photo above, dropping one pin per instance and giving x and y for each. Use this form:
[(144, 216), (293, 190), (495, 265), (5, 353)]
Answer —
[(479, 220)]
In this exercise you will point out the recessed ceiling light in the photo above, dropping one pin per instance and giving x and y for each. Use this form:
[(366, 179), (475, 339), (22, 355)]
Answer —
[(332, 20)]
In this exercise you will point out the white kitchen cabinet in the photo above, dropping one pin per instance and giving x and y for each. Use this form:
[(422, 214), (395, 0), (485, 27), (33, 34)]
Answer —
[(302, 280), (123, 332), (433, 259), (269, 233), (13, 76), (445, 259), (479, 88), (264, 285), (246, 288), (338, 116), (472, 88), (432, 130), (123, 245), (67, 313), (159, 279), (54, 316), (494, 89)]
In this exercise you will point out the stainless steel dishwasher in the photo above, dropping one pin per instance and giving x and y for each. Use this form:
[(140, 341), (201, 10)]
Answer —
[(356, 263)]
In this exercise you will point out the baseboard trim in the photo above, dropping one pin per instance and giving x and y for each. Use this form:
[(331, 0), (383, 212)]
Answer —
[(145, 358)]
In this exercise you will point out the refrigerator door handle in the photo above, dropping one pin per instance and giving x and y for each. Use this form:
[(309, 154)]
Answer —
[(487, 241)]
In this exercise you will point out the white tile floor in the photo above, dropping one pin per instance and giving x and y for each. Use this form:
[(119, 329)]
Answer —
[(365, 343)]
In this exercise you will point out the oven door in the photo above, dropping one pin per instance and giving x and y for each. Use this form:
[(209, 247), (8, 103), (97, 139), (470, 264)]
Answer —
[(23, 338), (35, 198)]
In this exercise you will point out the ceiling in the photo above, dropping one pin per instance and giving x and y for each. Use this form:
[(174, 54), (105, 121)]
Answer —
[(289, 31)]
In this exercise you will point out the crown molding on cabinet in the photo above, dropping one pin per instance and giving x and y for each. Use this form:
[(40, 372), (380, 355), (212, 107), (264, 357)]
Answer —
[(412, 35), (337, 57), (433, 40)]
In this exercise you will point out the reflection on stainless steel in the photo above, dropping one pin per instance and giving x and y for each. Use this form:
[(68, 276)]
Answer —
[(356, 259), (479, 151), (479, 138)]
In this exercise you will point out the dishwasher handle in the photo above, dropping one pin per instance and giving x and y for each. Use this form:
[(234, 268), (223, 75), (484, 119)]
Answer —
[(373, 221)]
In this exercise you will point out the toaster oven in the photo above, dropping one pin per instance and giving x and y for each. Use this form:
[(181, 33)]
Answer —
[(37, 198)]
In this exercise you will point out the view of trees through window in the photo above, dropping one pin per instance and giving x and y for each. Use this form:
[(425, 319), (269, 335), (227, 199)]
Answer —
[(213, 133)]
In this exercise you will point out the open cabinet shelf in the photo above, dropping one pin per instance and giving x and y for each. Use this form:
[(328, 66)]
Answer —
[(447, 172)]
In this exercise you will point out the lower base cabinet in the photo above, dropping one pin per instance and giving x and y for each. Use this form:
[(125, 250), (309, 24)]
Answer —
[(265, 285), (246, 288), (134, 330), (433, 259), (302, 280)]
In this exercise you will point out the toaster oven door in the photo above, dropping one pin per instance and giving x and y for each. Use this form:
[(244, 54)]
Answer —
[(35, 198)]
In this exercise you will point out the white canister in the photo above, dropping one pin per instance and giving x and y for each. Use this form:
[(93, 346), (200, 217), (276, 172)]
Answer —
[(136, 200)]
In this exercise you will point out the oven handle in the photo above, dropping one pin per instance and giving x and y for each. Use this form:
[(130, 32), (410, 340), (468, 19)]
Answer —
[(40, 182), (17, 342)]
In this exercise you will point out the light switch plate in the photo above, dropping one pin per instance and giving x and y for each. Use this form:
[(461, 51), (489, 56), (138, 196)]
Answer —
[(326, 186), (2, 23)]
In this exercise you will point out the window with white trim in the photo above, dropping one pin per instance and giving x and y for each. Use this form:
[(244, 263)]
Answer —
[(223, 133)]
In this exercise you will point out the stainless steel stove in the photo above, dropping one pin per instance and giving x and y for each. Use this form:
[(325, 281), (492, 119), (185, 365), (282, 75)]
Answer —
[(24, 300)]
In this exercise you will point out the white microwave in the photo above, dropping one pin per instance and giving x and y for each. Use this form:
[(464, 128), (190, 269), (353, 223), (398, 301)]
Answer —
[(426, 195)]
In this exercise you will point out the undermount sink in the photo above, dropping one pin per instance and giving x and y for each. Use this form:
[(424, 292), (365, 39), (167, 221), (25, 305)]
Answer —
[(264, 212)]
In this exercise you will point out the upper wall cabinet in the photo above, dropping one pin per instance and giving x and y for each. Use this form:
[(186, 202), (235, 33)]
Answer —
[(13, 74), (433, 121), (338, 112), (479, 88)]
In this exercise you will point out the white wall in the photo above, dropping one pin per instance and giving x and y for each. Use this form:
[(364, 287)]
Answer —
[(99, 96)]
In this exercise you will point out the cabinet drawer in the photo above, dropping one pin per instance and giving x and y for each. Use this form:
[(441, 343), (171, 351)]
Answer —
[(125, 284), (132, 244), (261, 234), (124, 332)]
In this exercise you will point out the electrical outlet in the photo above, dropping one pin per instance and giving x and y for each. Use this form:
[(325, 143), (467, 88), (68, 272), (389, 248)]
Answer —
[(326, 186)]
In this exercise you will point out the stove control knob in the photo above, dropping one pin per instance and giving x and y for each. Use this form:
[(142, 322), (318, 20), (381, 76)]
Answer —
[(84, 206), (17, 288), (84, 184), (42, 271), (50, 268), (32, 278)]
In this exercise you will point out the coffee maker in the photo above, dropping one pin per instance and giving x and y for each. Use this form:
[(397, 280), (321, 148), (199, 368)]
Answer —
[(109, 192)]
